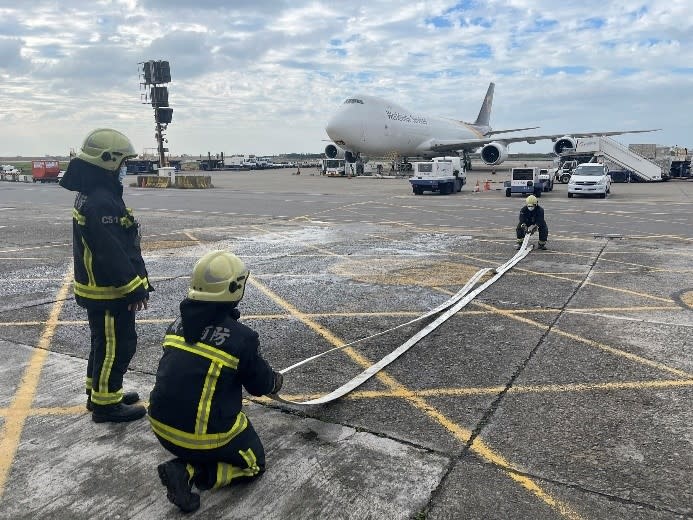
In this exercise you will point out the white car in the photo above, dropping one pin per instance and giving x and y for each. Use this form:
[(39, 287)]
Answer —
[(590, 179)]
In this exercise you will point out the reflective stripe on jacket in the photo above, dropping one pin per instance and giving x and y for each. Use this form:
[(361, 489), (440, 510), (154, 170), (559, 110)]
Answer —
[(197, 397), (109, 269)]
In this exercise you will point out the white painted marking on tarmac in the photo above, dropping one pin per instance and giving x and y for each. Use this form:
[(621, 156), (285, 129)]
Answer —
[(7, 208)]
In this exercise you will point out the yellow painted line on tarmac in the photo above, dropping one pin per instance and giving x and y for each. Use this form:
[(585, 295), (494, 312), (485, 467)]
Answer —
[(664, 384), (609, 386), (388, 314), (33, 248), (311, 216), (24, 397), (612, 350), (17, 258), (462, 434), (646, 267), (687, 298), (601, 286), (191, 237), (56, 410), (145, 320)]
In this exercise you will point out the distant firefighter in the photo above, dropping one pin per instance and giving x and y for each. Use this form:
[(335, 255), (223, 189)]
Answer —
[(531, 218)]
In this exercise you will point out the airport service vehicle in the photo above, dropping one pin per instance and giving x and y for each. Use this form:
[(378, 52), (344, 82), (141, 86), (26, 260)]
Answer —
[(563, 173), (436, 176), (234, 162), (45, 171), (590, 179), (376, 127), (528, 181), (457, 162), (333, 167), (6, 168)]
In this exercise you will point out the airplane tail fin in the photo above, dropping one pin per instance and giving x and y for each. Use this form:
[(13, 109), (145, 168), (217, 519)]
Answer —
[(484, 117)]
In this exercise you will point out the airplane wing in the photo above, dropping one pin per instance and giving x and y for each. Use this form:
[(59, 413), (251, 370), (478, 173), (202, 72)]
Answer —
[(494, 132), (439, 145)]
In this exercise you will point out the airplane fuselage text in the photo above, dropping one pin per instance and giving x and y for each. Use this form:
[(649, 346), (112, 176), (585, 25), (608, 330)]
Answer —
[(405, 118)]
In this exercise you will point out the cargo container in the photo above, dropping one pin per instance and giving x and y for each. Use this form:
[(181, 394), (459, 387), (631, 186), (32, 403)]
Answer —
[(45, 171)]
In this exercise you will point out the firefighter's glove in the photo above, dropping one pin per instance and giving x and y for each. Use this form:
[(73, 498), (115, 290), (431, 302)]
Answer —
[(532, 229), (524, 226), (278, 382)]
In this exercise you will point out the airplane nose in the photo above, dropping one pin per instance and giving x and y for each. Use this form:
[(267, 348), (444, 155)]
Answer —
[(342, 127), (334, 125)]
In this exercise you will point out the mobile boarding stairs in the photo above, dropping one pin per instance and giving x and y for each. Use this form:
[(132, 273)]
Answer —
[(621, 155)]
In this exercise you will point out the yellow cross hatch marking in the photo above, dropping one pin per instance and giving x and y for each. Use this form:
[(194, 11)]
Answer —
[(460, 433), (11, 431)]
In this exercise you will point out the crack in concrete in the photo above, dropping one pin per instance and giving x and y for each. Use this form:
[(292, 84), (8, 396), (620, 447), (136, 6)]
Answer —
[(485, 419)]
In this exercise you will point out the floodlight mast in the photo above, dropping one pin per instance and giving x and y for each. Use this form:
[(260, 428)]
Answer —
[(156, 74)]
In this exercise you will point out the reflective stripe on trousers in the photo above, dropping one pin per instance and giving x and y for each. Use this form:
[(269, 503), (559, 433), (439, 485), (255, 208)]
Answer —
[(113, 343)]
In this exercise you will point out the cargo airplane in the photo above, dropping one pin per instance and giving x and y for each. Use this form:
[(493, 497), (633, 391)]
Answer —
[(373, 126)]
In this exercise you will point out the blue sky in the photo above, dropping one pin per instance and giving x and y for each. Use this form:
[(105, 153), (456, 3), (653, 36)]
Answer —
[(263, 76)]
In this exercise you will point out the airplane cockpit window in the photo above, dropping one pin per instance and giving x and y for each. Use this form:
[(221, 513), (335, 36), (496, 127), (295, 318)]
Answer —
[(353, 100)]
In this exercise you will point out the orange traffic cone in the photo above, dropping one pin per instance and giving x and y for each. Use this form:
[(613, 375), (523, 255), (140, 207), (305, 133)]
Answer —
[(476, 188), (487, 185)]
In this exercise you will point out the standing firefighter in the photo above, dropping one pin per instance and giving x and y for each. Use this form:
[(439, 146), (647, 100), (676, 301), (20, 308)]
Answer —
[(532, 217), (195, 406), (111, 281)]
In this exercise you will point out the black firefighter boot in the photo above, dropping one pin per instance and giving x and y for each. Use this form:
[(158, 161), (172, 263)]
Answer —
[(175, 477), (117, 412), (128, 398)]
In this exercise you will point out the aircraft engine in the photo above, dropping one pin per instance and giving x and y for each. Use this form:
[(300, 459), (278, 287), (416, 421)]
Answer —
[(563, 144), (333, 152), (494, 153)]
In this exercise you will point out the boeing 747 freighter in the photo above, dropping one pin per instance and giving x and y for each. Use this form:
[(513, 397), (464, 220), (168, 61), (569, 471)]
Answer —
[(373, 126)]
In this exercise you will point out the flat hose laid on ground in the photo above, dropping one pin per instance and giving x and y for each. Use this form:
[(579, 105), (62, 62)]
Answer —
[(451, 307)]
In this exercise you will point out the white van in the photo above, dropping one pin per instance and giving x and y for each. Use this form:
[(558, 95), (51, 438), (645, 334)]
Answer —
[(590, 179)]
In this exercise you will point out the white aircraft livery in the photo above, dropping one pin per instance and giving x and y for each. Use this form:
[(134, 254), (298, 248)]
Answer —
[(373, 126)]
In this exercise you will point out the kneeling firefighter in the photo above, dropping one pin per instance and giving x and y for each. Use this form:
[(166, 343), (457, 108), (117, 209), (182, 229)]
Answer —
[(531, 218), (195, 406)]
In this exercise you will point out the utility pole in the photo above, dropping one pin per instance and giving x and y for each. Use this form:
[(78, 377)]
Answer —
[(160, 139), (156, 74)]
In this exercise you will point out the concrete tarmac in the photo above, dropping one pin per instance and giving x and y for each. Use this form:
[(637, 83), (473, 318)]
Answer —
[(562, 391)]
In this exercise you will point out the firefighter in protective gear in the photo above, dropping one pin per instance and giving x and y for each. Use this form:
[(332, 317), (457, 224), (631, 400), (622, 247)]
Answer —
[(195, 405), (532, 218), (110, 278)]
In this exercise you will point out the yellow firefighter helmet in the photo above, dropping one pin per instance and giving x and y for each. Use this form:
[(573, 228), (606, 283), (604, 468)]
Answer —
[(219, 276), (106, 148)]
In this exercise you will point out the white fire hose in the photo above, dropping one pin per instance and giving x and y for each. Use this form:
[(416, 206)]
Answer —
[(451, 307)]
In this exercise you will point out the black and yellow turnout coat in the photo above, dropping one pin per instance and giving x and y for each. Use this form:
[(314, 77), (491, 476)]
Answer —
[(196, 400), (109, 269)]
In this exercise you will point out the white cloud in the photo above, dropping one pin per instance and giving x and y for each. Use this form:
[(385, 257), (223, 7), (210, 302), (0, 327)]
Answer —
[(263, 76)]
